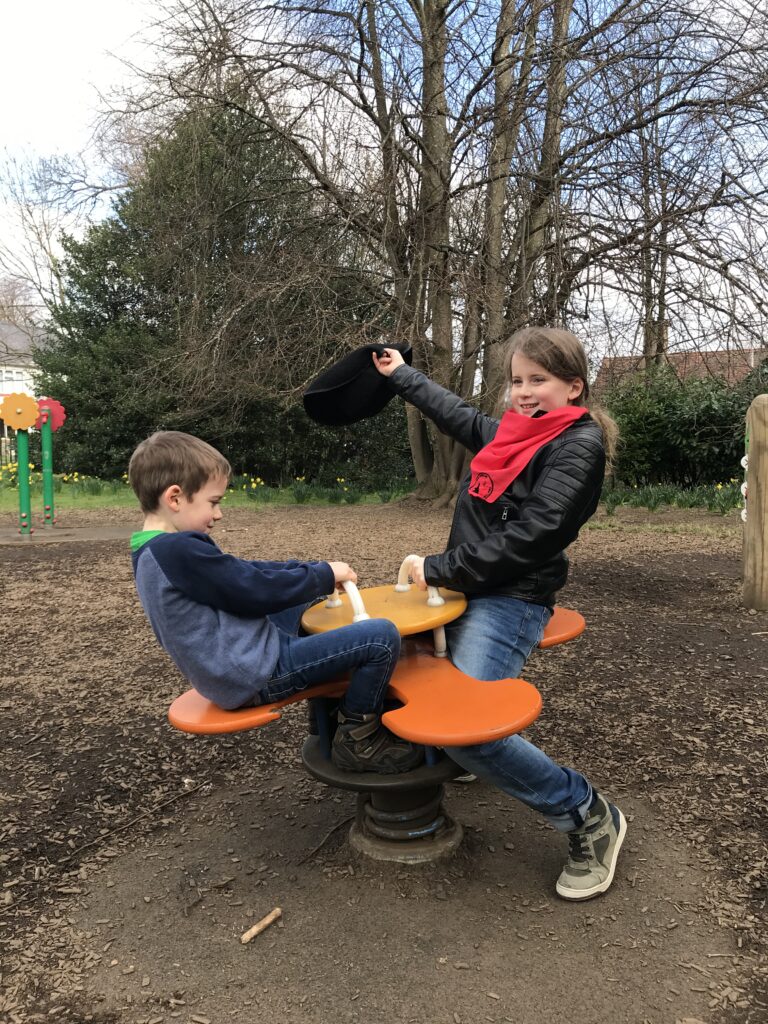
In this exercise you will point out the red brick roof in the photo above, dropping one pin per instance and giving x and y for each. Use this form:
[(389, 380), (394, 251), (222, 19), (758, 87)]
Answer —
[(732, 365)]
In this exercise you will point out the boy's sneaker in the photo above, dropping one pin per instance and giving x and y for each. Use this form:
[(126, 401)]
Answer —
[(594, 850), (466, 777), (362, 744)]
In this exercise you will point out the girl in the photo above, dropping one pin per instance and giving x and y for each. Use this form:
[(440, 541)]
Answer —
[(534, 480)]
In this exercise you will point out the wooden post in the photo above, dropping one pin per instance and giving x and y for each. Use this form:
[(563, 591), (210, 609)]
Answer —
[(755, 547)]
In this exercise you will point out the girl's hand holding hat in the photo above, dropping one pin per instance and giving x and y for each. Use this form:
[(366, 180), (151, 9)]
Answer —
[(388, 362)]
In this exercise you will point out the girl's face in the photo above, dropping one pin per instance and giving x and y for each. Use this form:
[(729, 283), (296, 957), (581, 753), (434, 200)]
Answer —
[(534, 389)]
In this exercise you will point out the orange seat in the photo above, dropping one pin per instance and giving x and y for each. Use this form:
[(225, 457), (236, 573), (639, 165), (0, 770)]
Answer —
[(443, 707), (564, 625), (191, 712), (440, 705)]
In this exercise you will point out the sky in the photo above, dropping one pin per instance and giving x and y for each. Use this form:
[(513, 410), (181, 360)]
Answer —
[(55, 57)]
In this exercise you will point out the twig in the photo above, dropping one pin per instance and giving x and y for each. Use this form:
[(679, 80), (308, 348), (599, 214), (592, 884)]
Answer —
[(259, 927), (144, 814), (325, 839), (112, 831)]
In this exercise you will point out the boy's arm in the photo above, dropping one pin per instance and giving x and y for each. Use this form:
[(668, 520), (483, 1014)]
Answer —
[(194, 565)]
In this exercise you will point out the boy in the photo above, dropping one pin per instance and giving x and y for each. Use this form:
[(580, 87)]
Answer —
[(231, 625)]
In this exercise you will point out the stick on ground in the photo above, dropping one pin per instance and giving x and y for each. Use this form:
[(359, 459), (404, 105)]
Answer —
[(265, 922)]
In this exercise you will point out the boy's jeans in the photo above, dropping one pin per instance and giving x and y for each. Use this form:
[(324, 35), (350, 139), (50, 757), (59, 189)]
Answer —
[(369, 650), (492, 640)]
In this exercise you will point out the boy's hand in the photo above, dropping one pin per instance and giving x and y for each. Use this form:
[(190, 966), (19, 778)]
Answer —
[(343, 573), (416, 572), (389, 362)]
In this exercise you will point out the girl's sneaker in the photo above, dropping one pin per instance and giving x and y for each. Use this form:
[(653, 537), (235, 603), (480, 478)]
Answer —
[(594, 850), (362, 744)]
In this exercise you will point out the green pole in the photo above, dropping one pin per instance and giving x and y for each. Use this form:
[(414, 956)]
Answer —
[(22, 459), (46, 437)]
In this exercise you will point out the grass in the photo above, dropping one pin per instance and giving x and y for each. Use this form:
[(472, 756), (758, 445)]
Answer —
[(75, 496), (73, 491)]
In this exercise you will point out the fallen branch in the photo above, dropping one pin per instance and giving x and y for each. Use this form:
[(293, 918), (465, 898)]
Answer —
[(259, 927), (118, 828), (325, 839)]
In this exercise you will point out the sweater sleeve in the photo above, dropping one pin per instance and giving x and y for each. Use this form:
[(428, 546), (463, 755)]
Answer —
[(563, 497), (194, 565), (451, 414)]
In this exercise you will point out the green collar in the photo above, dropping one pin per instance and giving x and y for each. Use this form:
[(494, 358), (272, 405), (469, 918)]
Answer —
[(140, 538)]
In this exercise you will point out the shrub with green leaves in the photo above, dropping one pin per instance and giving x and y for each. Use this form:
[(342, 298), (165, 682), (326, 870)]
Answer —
[(687, 432)]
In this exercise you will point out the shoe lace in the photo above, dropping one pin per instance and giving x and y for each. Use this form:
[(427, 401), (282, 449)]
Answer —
[(578, 846)]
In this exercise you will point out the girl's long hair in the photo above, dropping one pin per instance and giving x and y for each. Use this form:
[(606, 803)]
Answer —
[(562, 354)]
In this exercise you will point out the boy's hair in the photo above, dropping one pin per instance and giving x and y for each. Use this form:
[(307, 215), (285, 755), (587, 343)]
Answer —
[(562, 354), (171, 457)]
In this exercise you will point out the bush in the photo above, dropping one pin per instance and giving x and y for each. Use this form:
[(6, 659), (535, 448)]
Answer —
[(686, 432)]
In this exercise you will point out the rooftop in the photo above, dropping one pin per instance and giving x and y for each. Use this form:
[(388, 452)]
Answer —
[(730, 365), (15, 345)]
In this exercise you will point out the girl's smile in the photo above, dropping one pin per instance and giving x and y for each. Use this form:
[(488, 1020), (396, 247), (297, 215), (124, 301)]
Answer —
[(534, 389)]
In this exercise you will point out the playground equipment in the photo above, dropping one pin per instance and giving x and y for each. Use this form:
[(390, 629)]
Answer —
[(399, 818), (410, 610), (22, 412), (755, 513)]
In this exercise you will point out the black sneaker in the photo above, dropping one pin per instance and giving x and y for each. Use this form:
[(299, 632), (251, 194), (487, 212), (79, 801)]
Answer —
[(593, 852), (362, 744)]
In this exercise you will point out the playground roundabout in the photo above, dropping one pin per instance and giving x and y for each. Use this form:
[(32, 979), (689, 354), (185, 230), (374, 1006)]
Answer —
[(133, 857)]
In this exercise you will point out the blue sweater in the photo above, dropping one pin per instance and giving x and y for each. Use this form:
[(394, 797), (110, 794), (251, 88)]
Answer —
[(209, 610)]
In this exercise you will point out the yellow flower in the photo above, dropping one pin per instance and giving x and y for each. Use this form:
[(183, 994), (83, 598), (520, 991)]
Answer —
[(719, 487)]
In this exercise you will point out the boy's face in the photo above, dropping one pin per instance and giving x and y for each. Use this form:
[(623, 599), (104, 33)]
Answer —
[(202, 511)]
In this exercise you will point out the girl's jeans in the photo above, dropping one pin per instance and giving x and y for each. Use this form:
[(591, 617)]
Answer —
[(369, 650), (492, 640)]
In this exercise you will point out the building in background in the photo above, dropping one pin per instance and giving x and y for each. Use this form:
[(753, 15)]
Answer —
[(17, 368), (730, 365)]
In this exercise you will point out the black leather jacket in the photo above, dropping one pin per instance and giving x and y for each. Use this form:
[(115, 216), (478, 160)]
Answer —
[(516, 545)]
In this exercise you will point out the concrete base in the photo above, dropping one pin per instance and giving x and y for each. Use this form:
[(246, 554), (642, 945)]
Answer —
[(400, 818), (412, 851)]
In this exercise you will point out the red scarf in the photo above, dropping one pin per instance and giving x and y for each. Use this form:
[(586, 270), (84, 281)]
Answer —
[(516, 442)]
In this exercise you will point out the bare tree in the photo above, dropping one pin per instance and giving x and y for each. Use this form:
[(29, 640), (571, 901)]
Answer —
[(499, 163)]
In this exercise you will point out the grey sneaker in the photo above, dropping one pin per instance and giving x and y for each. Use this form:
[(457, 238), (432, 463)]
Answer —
[(362, 744), (594, 850)]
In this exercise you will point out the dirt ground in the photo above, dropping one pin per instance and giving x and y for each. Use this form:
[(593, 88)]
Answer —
[(132, 857)]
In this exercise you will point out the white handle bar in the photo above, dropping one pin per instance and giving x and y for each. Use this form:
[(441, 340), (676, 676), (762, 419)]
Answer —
[(358, 608), (359, 613), (434, 600)]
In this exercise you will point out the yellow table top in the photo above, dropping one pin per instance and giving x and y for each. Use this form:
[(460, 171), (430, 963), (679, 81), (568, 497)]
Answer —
[(408, 610)]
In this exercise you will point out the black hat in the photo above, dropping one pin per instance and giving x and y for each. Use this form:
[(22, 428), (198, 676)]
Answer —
[(352, 389)]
